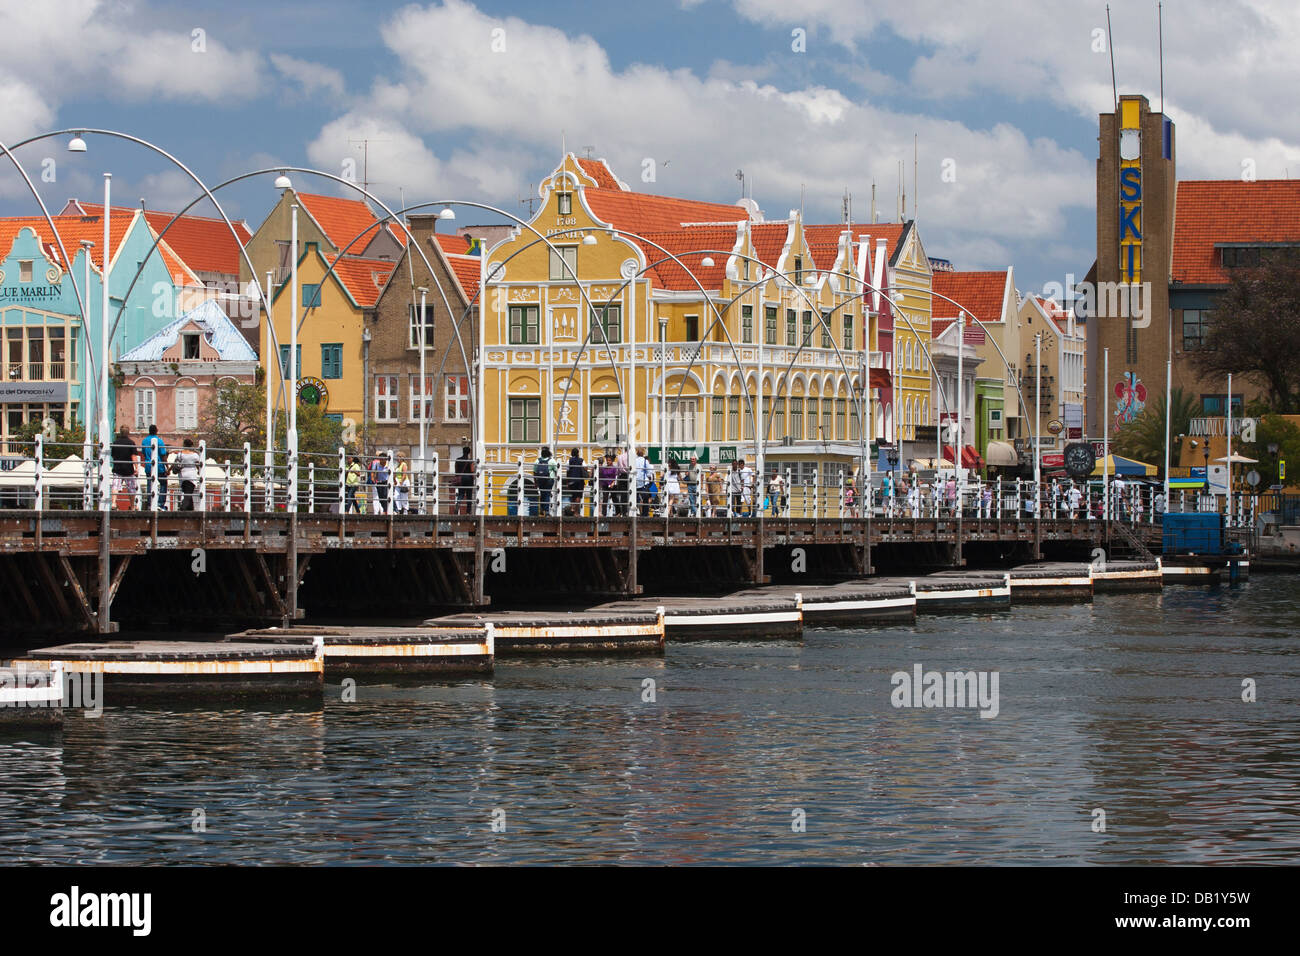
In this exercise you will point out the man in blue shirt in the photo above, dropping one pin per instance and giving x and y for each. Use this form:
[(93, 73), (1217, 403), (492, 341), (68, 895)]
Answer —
[(155, 466)]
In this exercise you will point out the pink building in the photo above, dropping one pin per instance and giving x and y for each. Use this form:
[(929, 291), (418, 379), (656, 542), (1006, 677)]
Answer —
[(171, 377)]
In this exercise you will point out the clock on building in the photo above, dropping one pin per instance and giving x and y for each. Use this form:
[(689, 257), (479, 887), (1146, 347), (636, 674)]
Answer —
[(1080, 460)]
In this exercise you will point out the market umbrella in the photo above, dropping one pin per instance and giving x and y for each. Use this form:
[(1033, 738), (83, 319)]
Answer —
[(1126, 467)]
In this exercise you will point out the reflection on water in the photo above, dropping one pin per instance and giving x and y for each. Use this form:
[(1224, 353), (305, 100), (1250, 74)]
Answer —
[(1131, 704)]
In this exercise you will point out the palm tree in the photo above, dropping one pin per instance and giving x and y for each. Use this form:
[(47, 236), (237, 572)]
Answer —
[(1144, 437)]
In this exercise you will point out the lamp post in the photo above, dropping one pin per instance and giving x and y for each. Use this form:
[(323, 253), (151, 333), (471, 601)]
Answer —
[(663, 393), (424, 398), (105, 485)]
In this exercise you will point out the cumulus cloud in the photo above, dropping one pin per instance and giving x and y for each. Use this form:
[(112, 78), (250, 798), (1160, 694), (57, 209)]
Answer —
[(72, 46), (1229, 65), (312, 77), (507, 90)]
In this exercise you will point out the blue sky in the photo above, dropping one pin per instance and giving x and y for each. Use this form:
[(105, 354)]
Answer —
[(1003, 95)]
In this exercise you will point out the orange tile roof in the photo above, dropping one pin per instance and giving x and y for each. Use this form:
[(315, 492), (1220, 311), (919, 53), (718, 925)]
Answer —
[(467, 273), (1229, 210), (682, 243), (363, 278), (204, 243), (340, 219), (979, 293), (643, 212), (768, 239), (456, 245), (891, 232), (73, 229), (599, 170), (824, 244)]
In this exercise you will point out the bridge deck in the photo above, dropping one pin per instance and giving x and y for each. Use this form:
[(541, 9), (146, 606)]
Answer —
[(140, 532)]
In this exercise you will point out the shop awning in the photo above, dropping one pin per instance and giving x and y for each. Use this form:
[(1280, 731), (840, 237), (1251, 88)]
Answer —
[(970, 458), (1001, 453), (880, 378), (1123, 466)]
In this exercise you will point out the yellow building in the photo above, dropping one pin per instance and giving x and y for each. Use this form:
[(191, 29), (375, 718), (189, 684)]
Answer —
[(332, 345), (685, 350)]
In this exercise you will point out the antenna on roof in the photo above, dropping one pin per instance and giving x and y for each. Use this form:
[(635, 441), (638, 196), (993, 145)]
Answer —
[(142, 204), (529, 201), (365, 160), (846, 208), (740, 175), (589, 149), (1160, 25), (1110, 42), (916, 185), (873, 200)]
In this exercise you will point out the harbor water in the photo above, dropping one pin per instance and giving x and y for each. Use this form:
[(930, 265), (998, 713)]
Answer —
[(754, 752)]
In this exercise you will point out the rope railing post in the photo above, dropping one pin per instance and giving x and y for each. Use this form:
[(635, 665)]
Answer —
[(248, 478), (424, 484), (520, 509), (203, 475), (311, 487), (225, 487), (38, 488)]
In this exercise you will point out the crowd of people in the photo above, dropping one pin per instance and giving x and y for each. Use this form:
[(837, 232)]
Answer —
[(626, 482)]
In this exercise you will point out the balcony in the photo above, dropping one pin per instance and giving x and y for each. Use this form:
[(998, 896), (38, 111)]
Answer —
[(36, 371), (15, 371)]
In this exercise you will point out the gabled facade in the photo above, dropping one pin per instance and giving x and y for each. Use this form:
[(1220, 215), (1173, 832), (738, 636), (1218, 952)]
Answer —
[(1059, 393), (335, 306), (450, 340), (170, 379), (46, 373), (677, 357)]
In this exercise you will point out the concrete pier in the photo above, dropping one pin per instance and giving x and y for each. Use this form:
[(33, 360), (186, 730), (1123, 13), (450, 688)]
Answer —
[(355, 651), (1118, 576), (959, 591), (31, 694), (1051, 581), (133, 669), (634, 630), (863, 602), (730, 617)]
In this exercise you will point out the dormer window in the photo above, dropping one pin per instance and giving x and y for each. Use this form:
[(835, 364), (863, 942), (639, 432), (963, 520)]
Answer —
[(564, 203), (798, 271), (24, 270), (190, 345)]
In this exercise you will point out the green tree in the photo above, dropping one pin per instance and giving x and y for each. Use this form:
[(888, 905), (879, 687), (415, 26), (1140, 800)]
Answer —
[(1273, 430), (60, 442), (238, 415), (1144, 437), (1255, 330)]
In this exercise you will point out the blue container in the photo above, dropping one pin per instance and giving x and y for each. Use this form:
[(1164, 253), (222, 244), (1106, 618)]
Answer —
[(1193, 533)]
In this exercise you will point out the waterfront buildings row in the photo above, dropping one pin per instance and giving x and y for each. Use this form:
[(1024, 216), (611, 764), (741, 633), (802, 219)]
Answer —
[(694, 327)]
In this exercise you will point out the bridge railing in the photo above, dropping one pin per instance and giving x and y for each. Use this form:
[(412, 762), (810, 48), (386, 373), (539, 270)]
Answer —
[(45, 475)]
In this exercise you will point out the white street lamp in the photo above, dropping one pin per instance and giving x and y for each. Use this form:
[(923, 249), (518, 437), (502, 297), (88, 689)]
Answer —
[(105, 491), (76, 144), (424, 397), (283, 181)]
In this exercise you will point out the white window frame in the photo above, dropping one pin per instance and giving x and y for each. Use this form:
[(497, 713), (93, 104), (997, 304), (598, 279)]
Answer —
[(456, 398), (146, 408), (388, 403), (568, 254), (430, 396), (682, 420), (187, 408)]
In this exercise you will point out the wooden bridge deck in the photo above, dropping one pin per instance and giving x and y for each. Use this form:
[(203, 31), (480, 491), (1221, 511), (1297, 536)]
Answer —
[(137, 533)]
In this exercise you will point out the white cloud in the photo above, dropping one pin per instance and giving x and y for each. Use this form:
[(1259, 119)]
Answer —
[(69, 47), (312, 77), (395, 158), (1230, 67), (509, 109)]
